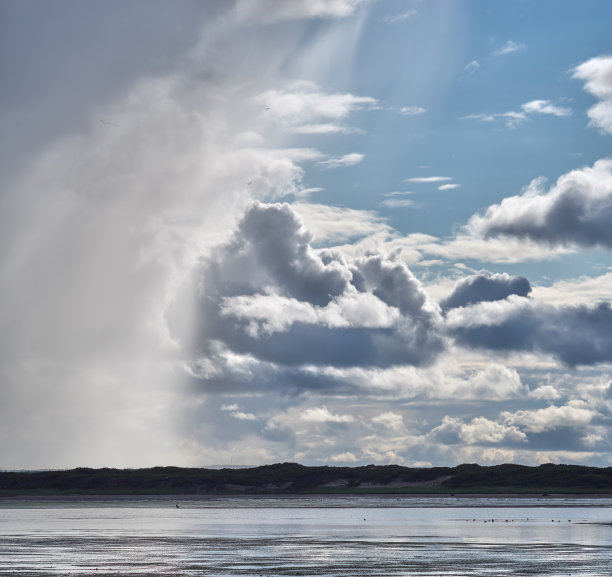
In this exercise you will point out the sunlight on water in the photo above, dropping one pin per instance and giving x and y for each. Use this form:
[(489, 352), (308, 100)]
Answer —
[(333, 536)]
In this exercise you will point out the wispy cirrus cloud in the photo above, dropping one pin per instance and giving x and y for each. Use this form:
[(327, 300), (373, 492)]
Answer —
[(472, 66), (427, 179), (508, 48), (395, 18), (303, 108), (514, 118), (340, 161), (412, 110)]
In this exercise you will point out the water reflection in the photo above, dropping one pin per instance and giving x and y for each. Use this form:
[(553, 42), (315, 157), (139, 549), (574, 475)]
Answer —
[(356, 536)]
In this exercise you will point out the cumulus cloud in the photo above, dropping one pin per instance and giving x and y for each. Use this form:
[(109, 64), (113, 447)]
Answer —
[(270, 298), (479, 430), (576, 210), (597, 74), (485, 286), (576, 335), (324, 415), (574, 414)]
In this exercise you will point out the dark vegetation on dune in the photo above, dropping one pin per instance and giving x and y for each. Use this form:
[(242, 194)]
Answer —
[(292, 478)]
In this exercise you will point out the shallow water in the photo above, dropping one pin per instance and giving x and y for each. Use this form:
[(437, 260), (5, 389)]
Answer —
[(331, 536)]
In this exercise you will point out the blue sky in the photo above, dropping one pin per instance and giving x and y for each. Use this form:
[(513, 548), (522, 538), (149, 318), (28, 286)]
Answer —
[(341, 232)]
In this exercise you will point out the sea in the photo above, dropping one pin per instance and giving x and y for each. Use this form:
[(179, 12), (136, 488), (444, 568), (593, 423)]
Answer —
[(312, 535)]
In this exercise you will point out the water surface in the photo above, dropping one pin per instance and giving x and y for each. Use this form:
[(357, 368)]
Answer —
[(331, 536)]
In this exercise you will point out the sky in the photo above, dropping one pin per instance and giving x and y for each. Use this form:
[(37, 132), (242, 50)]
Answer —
[(339, 232)]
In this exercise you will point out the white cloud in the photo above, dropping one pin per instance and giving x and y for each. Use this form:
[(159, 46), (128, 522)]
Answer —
[(393, 19), (242, 416), (397, 203), (545, 107), (449, 186), (274, 11), (332, 224), (514, 118), (545, 392), (340, 161), (347, 457), (574, 414), (412, 110), (597, 74), (427, 179), (472, 66), (498, 250), (479, 430), (324, 129), (324, 415), (390, 420), (577, 210), (580, 291), (303, 108), (508, 48)]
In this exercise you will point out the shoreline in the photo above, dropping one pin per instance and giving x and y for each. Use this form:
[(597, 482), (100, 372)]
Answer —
[(73, 497)]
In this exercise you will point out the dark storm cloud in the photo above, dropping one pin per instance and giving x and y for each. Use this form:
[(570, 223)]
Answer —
[(269, 296), (577, 210), (485, 286), (575, 335)]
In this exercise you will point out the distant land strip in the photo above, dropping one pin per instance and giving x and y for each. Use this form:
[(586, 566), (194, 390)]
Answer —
[(293, 478)]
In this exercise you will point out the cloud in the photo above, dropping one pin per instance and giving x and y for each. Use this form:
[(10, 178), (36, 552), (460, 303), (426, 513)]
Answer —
[(579, 291), (575, 335), (547, 392), (304, 109), (478, 431), (427, 179), (449, 186), (340, 161), (332, 224), (545, 107), (575, 414), (472, 66), (268, 298), (485, 286), (412, 110), (324, 129), (397, 203), (514, 118), (508, 48), (597, 74), (391, 421), (576, 210), (324, 415), (394, 19), (268, 11)]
